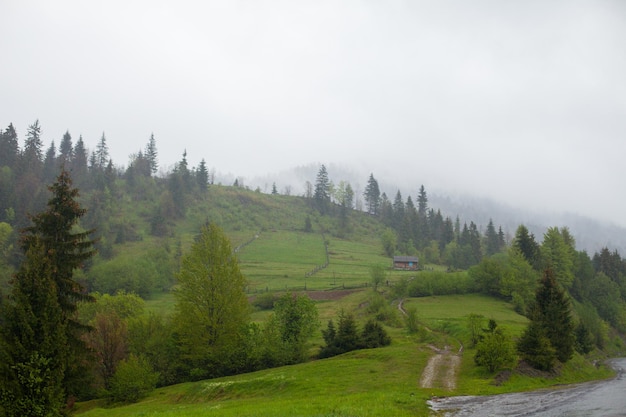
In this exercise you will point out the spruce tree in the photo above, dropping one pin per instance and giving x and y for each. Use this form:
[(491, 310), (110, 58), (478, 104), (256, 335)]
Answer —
[(372, 196), (551, 321), (202, 176), (32, 154), (526, 244), (66, 149), (151, 154), (64, 251), (492, 241), (33, 350), (321, 194), (9, 147), (552, 310)]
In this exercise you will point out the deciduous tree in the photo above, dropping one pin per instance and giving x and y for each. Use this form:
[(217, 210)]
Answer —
[(296, 319), (211, 305)]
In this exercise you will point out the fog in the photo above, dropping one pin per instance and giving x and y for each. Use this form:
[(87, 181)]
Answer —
[(521, 102)]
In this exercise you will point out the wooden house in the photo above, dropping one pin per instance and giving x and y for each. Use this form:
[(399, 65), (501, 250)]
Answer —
[(406, 263)]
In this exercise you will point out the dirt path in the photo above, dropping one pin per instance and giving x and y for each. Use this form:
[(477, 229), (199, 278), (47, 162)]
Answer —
[(442, 368)]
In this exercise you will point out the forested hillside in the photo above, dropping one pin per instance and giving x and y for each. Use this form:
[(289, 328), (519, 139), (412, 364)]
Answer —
[(142, 236)]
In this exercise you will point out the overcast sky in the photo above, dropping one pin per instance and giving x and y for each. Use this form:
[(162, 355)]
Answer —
[(521, 101)]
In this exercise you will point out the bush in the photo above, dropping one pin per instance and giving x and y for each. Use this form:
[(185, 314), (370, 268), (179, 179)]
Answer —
[(374, 335), (441, 283), (134, 379), (411, 320), (495, 351), (265, 301)]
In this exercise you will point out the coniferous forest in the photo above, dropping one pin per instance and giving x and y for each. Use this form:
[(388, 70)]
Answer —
[(85, 242)]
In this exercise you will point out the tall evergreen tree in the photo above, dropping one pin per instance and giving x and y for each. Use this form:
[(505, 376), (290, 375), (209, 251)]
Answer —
[(321, 195), (501, 239), (151, 154), (526, 244), (411, 221), (50, 163), (423, 225), (64, 251), (32, 155), (182, 168), (66, 150), (422, 202), (33, 348), (372, 196), (79, 161), (551, 314), (398, 211), (9, 147), (202, 176), (101, 153), (492, 245), (385, 210)]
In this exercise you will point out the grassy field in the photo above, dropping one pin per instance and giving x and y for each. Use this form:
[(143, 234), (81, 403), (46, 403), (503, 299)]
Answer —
[(449, 313), (276, 257), (277, 260), (375, 382)]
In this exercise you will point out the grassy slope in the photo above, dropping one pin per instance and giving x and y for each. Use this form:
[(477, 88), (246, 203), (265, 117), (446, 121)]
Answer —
[(376, 382)]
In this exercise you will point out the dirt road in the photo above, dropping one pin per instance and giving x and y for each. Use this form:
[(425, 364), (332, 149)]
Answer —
[(442, 368)]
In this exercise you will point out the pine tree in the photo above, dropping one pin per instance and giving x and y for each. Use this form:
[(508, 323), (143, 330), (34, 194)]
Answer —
[(526, 244), (398, 211), (78, 165), (202, 176), (321, 195), (32, 153), (50, 163), (552, 309), (66, 150), (101, 153), (550, 319), (9, 147), (535, 348), (491, 237), (372, 196), (151, 154), (33, 350), (423, 226), (422, 202), (64, 251)]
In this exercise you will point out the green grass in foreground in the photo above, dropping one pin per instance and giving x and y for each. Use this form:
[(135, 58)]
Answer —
[(376, 382)]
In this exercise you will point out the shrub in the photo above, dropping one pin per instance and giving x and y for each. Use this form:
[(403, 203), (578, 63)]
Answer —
[(265, 301), (495, 350), (441, 283), (134, 379), (374, 335)]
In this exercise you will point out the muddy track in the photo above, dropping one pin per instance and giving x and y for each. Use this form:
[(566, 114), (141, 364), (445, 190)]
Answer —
[(442, 368)]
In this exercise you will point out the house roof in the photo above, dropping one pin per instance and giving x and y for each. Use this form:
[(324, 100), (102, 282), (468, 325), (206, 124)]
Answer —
[(405, 259)]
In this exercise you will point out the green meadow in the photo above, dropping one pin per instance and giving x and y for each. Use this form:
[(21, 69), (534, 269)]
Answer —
[(373, 382), (276, 255)]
